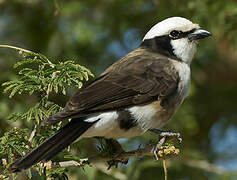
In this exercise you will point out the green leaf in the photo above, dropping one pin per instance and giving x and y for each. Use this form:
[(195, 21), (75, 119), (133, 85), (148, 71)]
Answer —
[(26, 62), (14, 90), (10, 86)]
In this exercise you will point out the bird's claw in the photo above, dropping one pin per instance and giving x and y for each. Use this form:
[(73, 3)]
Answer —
[(158, 147), (163, 137), (115, 150), (168, 134)]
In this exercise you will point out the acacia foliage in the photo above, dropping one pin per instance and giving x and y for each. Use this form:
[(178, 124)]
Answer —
[(37, 75)]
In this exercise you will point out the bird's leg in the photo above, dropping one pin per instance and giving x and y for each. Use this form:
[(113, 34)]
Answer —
[(117, 150), (116, 145), (111, 147), (167, 134), (163, 137)]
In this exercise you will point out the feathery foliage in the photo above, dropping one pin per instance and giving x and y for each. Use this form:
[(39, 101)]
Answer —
[(37, 75)]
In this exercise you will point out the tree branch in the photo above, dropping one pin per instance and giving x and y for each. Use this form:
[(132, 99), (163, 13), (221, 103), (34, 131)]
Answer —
[(148, 150), (164, 153)]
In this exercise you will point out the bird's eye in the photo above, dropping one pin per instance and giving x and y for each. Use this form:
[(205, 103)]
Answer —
[(174, 34)]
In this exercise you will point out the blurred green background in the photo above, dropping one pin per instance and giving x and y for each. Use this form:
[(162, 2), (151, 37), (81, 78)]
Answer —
[(98, 33)]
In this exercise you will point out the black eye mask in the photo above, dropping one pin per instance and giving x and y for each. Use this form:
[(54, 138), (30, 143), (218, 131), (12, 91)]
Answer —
[(180, 34)]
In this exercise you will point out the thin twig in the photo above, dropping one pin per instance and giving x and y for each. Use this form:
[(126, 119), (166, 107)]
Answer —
[(33, 133), (165, 169), (50, 85), (24, 50), (16, 48)]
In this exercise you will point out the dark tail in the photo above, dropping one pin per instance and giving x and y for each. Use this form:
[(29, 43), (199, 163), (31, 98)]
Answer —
[(53, 145)]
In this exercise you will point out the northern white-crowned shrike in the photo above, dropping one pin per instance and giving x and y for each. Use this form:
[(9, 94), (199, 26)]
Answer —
[(140, 92)]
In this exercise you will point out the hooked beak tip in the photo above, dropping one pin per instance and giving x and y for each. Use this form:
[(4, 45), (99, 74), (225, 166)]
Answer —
[(199, 34)]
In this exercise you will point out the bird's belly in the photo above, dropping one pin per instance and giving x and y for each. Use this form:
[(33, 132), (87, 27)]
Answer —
[(108, 126), (145, 117)]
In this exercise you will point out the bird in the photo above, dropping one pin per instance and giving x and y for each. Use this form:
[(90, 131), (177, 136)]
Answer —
[(138, 93)]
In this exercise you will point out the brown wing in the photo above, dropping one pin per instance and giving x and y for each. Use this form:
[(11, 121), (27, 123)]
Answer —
[(138, 78)]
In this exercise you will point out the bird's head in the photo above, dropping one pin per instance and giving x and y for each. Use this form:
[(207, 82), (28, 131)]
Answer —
[(176, 37)]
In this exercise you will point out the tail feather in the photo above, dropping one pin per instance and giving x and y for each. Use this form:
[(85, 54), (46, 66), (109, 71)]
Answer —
[(53, 145)]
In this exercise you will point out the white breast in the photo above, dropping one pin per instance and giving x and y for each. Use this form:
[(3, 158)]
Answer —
[(185, 78)]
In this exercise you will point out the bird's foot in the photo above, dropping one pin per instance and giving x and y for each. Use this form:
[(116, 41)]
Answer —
[(118, 150), (113, 149), (115, 162), (167, 134), (164, 136)]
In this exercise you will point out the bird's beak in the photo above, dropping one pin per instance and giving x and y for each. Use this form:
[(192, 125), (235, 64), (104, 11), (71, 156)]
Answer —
[(198, 34)]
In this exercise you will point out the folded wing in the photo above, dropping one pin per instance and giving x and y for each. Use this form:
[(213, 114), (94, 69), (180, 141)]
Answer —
[(134, 80)]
